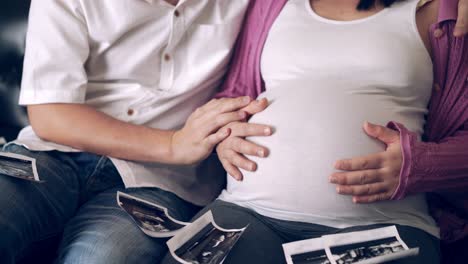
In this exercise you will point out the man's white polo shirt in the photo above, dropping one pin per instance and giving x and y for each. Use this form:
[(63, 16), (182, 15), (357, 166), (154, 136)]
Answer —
[(141, 61)]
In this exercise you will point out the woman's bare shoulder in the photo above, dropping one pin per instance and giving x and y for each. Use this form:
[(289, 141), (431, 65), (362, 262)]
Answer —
[(426, 15)]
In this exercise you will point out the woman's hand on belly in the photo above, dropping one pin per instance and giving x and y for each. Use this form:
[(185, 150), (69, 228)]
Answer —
[(375, 177), (232, 151)]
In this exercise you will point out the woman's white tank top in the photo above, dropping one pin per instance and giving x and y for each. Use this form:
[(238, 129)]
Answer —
[(324, 79)]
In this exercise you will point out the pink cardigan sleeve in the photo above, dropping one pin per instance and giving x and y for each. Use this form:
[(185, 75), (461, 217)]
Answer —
[(440, 163), (431, 166), (244, 76)]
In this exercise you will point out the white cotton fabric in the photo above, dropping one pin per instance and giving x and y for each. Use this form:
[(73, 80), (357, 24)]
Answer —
[(324, 79), (143, 62)]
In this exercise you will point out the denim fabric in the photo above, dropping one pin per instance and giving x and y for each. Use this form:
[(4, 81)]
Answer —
[(78, 197), (262, 241)]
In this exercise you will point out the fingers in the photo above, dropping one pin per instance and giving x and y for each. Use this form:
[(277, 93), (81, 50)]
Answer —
[(232, 158), (229, 151), (367, 193), (246, 147), (369, 162), (240, 161), (373, 198), (243, 129), (256, 106), (232, 170), (356, 177), (207, 125), (461, 26), (224, 105), (361, 190), (212, 140), (384, 134)]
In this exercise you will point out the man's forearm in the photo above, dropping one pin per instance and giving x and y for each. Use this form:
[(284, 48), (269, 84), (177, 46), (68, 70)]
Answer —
[(84, 128)]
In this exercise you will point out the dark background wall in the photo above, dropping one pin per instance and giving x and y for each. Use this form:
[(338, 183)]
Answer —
[(13, 24)]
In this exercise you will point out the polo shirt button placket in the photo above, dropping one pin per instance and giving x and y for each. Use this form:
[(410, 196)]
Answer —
[(167, 68)]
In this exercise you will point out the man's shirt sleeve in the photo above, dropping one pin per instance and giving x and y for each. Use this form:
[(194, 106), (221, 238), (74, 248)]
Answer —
[(56, 51)]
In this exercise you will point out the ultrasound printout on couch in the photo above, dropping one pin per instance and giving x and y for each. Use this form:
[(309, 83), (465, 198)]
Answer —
[(203, 242), (18, 166), (153, 219)]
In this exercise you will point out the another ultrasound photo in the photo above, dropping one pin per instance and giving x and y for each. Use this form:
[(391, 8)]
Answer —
[(153, 220), (209, 246), (312, 257), (361, 251), (18, 166)]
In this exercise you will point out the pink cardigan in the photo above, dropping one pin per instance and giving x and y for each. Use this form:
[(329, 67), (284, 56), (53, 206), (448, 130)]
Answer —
[(439, 164)]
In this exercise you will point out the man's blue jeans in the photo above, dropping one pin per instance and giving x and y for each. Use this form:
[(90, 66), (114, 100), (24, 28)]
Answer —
[(78, 198)]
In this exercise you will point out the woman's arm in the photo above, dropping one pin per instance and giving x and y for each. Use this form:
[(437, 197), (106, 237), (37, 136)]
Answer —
[(421, 166), (244, 78), (431, 166)]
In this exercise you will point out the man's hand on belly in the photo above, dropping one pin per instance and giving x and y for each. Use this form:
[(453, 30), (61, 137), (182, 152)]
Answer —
[(375, 177), (232, 151)]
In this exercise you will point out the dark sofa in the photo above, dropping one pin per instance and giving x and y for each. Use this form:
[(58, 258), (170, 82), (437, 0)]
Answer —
[(13, 17), (13, 22)]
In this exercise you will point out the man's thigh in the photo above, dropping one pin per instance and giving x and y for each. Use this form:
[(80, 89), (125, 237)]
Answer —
[(259, 243), (102, 232), (31, 211)]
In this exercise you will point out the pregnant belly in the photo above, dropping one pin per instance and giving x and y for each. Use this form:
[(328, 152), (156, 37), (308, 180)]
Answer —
[(312, 131)]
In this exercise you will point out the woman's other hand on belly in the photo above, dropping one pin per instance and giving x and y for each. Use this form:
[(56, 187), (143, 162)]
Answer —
[(374, 177), (232, 151)]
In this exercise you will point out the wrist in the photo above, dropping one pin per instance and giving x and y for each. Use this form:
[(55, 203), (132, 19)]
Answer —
[(161, 147), (176, 154)]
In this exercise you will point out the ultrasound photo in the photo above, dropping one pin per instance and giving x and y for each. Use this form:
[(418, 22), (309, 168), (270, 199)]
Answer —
[(366, 250), (152, 219), (209, 246), (313, 257), (18, 166), (360, 247), (203, 242)]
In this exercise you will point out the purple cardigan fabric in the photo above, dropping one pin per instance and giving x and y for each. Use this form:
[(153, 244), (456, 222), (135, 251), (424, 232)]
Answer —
[(439, 164)]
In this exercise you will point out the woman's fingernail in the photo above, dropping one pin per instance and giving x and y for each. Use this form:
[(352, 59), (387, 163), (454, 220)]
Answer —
[(242, 114), (246, 99), (336, 165), (261, 153), (267, 131)]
